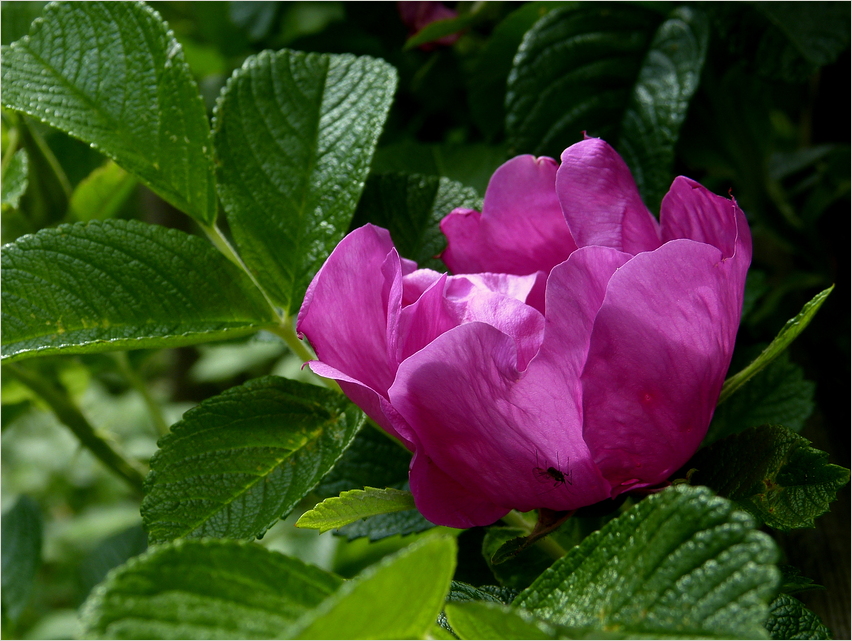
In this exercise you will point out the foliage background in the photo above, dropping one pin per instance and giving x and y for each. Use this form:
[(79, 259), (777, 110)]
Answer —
[(768, 122)]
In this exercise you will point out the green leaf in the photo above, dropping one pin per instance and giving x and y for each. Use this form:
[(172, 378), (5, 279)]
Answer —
[(112, 285), (521, 570), (792, 581), (398, 598), (205, 590), (17, 18), (772, 473), (240, 461), (383, 526), (102, 193), (480, 620), (681, 563), (411, 206), (575, 70), (778, 394), (372, 459), (113, 75), (294, 136), (667, 80), (463, 592), (792, 328), (22, 534), (15, 179), (790, 619), (487, 85), (350, 506)]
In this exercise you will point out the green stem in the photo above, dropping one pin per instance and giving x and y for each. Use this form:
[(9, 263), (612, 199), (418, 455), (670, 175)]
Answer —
[(138, 384), (49, 156), (546, 544), (68, 413), (9, 152)]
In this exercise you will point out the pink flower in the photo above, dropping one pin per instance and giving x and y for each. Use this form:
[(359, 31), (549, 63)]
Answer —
[(577, 353)]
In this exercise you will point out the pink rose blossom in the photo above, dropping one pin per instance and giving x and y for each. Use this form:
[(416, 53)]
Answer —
[(577, 353)]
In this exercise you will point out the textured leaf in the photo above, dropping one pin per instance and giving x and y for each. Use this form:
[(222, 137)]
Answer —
[(337, 511), (398, 598), (575, 70), (792, 581), (778, 394), (790, 619), (112, 75), (772, 473), (681, 563), (487, 86), (241, 460), (102, 193), (411, 206), (374, 459), (479, 620), (667, 80), (294, 136), (15, 179), (205, 590), (22, 534), (106, 286), (371, 459), (382, 526), (792, 328)]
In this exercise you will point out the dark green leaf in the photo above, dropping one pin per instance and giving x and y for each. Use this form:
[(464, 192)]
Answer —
[(398, 598), (681, 563), (790, 619), (778, 394), (478, 620), (792, 328), (112, 285), (17, 18), (792, 581), (241, 460), (382, 526), (205, 590), (350, 506), (112, 75), (102, 193), (575, 71), (22, 534), (667, 80), (462, 592), (112, 552), (15, 179), (773, 473), (294, 136), (487, 85), (372, 459), (411, 206), (521, 570)]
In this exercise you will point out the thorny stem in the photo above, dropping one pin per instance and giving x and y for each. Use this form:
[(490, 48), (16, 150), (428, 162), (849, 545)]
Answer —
[(139, 385), (67, 412)]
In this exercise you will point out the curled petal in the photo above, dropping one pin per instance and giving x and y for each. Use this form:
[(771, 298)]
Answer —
[(659, 351), (346, 309), (691, 211), (521, 229), (600, 200)]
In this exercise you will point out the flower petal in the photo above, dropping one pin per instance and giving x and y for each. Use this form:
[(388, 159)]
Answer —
[(443, 500), (600, 200), (348, 305), (659, 351), (521, 229), (691, 211)]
